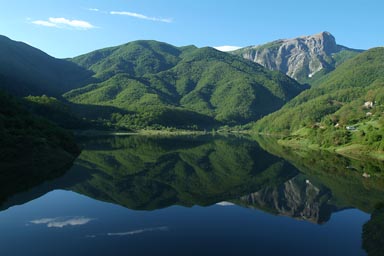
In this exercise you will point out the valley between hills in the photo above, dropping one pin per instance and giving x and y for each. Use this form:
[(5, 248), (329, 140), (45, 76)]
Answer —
[(309, 91)]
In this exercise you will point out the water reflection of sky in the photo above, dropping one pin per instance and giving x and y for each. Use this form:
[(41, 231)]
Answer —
[(91, 227), (60, 222)]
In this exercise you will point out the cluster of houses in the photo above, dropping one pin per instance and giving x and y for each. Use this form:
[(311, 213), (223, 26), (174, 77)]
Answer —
[(367, 105)]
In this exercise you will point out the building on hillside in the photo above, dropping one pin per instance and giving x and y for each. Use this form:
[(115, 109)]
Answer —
[(351, 128), (368, 104)]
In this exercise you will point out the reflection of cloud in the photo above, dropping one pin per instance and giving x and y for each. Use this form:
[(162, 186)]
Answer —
[(132, 232), (61, 222), (224, 203), (138, 231), (41, 221)]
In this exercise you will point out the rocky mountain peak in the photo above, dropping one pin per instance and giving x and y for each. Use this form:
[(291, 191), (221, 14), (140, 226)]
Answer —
[(323, 41), (300, 58)]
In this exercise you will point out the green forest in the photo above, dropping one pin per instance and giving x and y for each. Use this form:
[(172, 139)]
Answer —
[(28, 140), (156, 86), (345, 109)]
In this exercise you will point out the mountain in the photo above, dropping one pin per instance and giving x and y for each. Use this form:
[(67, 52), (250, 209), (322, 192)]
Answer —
[(135, 59), (25, 70), (160, 84), (144, 84), (346, 108), (30, 143), (304, 58)]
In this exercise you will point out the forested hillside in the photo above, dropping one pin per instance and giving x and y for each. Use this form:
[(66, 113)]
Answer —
[(347, 107), (29, 141), (159, 84)]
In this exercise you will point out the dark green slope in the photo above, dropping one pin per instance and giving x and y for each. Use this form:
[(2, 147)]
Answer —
[(322, 113), (153, 79), (63, 114), (25, 70), (29, 142)]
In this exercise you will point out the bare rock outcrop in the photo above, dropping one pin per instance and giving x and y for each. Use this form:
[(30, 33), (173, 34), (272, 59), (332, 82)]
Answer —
[(300, 58)]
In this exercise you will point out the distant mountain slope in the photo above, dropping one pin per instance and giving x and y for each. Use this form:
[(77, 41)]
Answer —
[(151, 79), (304, 58), (25, 70), (352, 95), (135, 59)]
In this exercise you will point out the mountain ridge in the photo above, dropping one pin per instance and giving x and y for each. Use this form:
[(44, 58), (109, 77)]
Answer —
[(300, 58), (183, 79), (41, 73)]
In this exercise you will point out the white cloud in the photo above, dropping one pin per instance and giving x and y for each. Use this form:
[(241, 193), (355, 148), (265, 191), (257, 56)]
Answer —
[(72, 23), (142, 16), (61, 222), (64, 23), (93, 9), (227, 48), (44, 23)]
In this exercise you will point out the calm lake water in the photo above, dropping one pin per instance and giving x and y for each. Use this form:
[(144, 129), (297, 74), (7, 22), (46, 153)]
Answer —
[(192, 196)]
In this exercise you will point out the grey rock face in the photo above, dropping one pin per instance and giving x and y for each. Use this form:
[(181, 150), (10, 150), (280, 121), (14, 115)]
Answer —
[(296, 198), (300, 58)]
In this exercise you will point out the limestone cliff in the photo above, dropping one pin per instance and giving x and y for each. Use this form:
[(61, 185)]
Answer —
[(300, 58)]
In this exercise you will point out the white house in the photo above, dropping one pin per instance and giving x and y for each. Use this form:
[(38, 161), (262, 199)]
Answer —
[(368, 104)]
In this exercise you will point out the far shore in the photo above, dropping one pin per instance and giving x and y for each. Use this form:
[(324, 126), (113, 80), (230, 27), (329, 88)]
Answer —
[(91, 133)]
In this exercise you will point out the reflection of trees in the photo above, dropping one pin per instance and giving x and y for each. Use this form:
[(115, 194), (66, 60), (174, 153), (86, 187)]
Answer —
[(373, 233), (341, 175), (151, 173), (17, 180)]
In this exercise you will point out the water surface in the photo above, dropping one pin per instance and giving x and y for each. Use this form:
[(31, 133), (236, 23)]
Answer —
[(192, 196)]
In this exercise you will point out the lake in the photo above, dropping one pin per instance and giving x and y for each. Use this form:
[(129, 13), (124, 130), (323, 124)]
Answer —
[(137, 195)]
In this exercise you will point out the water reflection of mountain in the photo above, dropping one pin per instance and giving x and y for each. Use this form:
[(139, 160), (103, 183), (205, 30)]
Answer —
[(343, 177), (373, 232), (298, 198), (25, 179), (148, 173)]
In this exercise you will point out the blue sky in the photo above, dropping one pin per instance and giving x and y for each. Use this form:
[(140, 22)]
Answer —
[(66, 28)]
